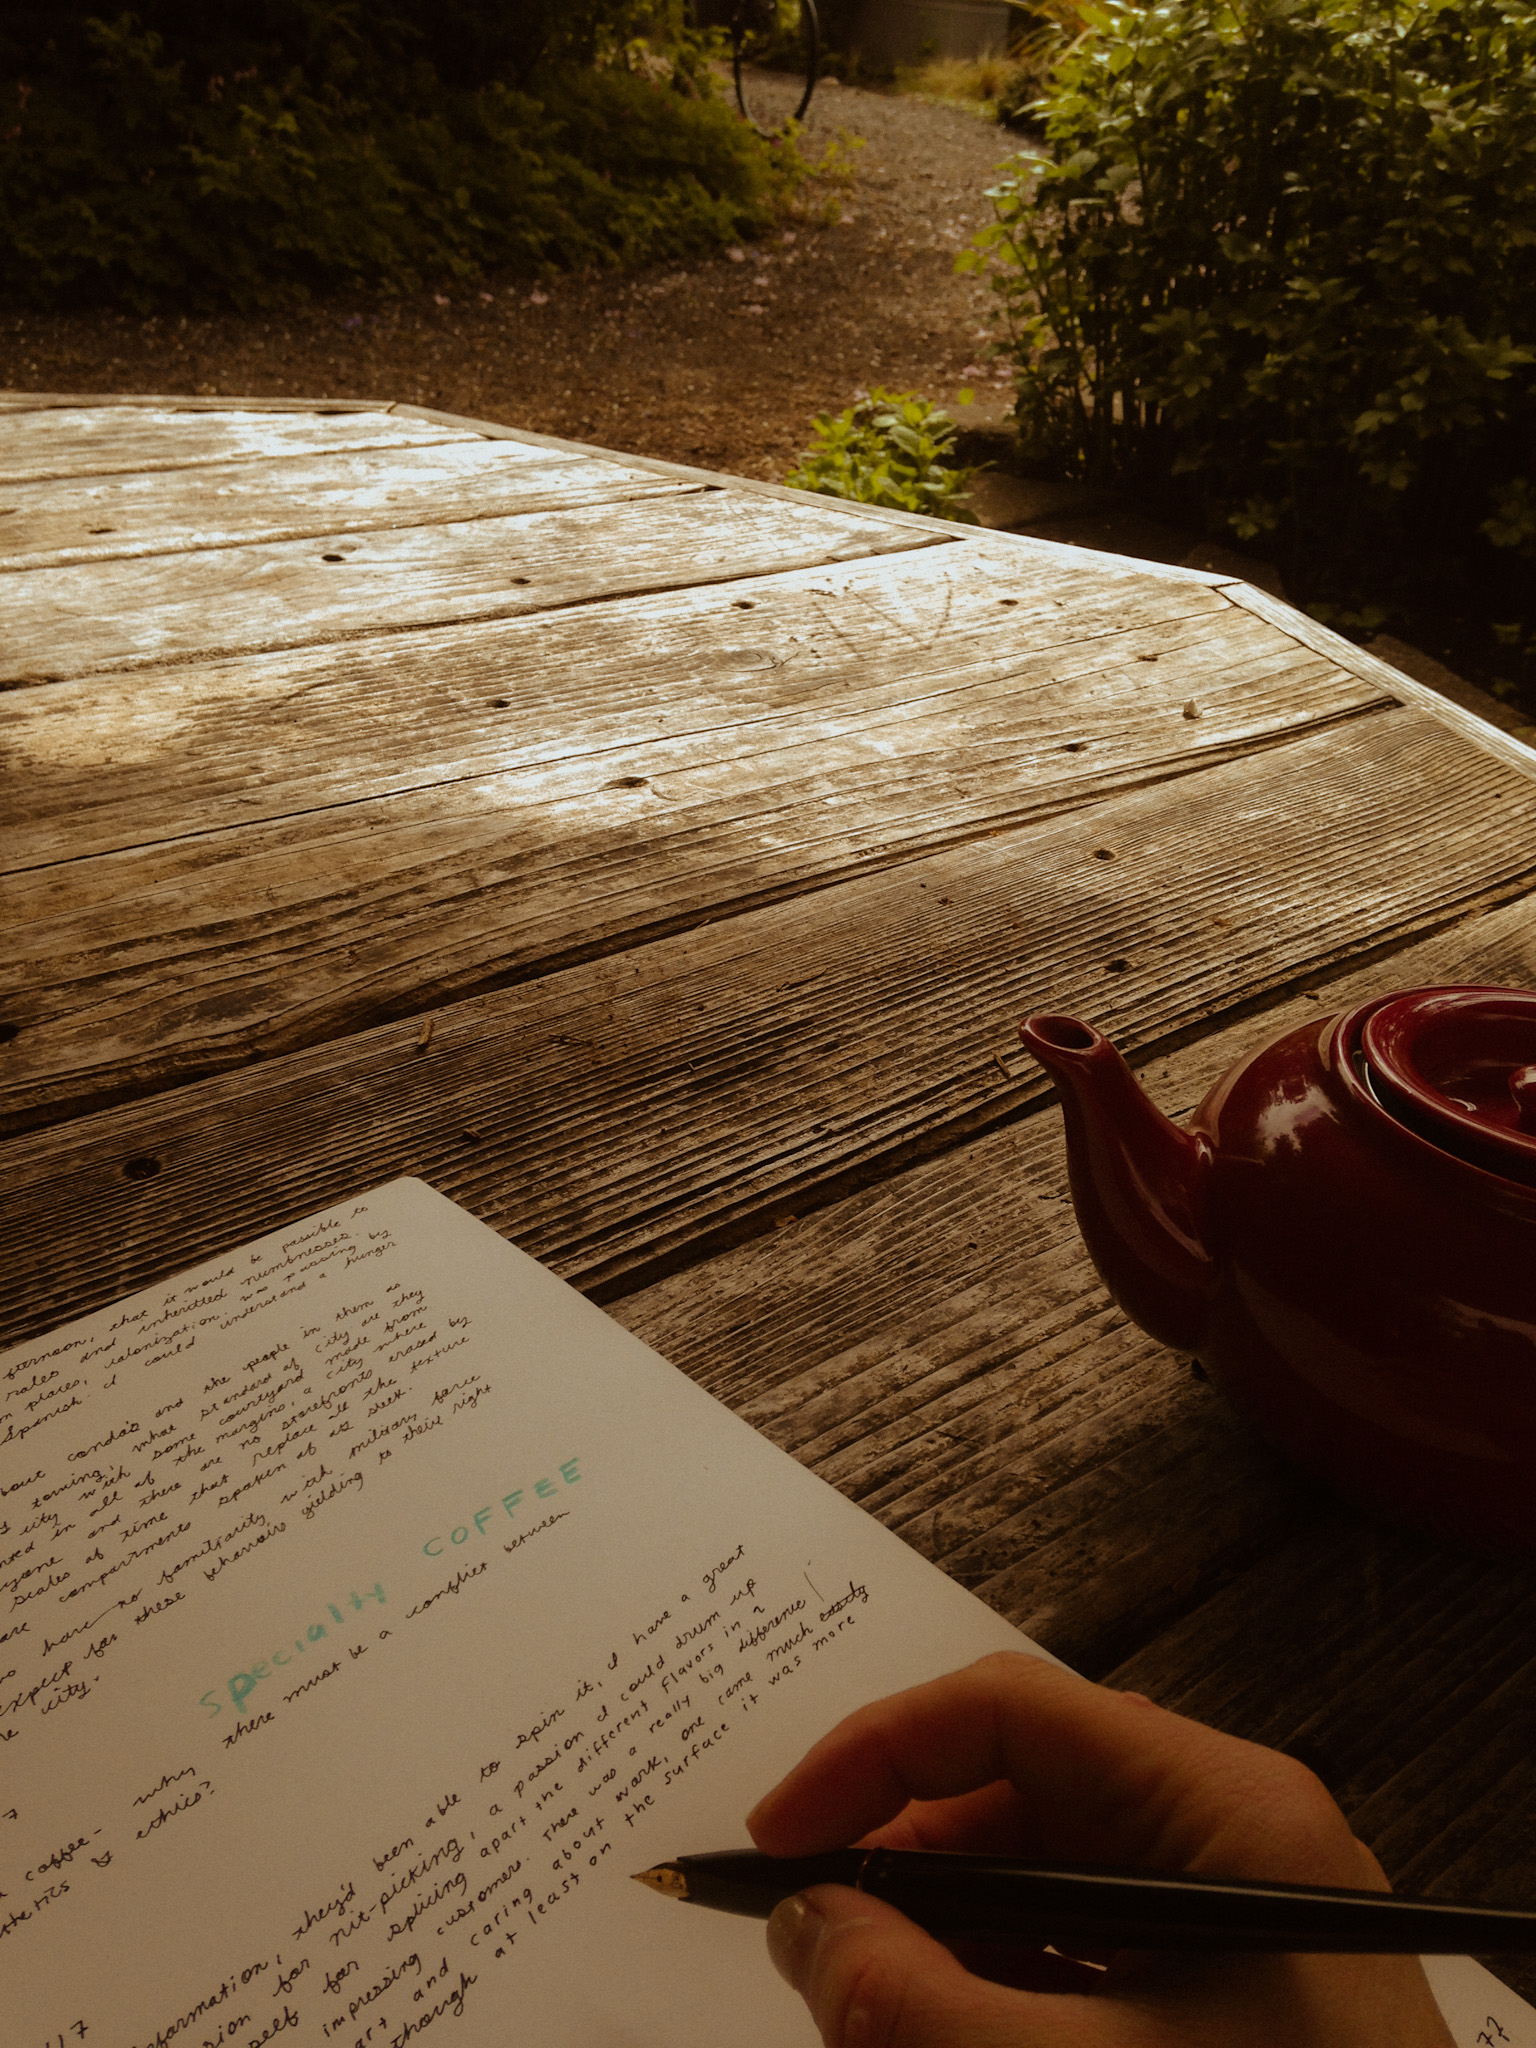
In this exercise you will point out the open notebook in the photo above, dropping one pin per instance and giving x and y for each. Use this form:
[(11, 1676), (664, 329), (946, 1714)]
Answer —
[(376, 1605)]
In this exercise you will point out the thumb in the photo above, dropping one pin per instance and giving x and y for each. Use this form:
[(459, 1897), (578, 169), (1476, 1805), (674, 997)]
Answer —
[(874, 1980)]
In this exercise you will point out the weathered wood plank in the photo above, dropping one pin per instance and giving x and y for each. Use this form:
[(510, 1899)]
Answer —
[(135, 1001), (938, 652), (146, 967), (67, 622), (631, 1108), (271, 498), (181, 401), (1018, 1431), (96, 440), (1308, 632), (1016, 543)]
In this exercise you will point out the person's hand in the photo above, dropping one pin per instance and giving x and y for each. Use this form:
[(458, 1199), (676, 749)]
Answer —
[(1016, 1756)]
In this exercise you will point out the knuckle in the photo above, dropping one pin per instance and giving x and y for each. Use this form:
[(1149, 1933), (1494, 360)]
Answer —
[(1305, 1830), (1305, 1789), (1007, 1661)]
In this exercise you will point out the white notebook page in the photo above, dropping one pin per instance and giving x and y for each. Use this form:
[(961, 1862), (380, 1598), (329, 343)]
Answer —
[(377, 1605)]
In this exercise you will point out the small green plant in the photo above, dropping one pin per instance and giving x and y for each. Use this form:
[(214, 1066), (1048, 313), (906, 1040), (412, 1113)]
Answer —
[(891, 448), (1273, 269), (813, 189)]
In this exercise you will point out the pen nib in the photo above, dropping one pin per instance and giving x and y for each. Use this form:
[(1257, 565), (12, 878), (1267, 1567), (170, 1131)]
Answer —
[(665, 1878)]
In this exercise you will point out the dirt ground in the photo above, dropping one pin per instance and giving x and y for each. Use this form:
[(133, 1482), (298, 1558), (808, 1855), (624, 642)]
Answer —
[(722, 363)]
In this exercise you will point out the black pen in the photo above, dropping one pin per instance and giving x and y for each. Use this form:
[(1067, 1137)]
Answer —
[(997, 1898)]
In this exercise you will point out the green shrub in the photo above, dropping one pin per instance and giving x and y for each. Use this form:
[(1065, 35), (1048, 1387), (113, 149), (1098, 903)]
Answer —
[(174, 159), (1275, 268), (892, 448)]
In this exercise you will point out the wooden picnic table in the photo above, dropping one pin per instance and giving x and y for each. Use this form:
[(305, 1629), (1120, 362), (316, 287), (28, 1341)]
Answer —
[(658, 864)]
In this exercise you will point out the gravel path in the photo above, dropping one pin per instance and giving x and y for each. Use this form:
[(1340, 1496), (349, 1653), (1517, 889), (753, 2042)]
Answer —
[(722, 363)]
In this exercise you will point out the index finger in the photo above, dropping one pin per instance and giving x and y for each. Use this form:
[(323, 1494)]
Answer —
[(1098, 1776)]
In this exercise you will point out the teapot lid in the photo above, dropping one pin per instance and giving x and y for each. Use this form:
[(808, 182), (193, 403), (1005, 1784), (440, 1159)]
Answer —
[(1458, 1067)]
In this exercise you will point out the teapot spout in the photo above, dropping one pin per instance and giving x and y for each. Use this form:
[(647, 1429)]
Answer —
[(1138, 1182)]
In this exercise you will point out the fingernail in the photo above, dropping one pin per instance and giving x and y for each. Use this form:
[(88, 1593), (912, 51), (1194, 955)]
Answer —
[(795, 1927)]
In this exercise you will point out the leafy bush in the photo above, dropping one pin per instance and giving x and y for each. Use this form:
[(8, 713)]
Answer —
[(1044, 31), (892, 448), (1275, 267), (176, 158)]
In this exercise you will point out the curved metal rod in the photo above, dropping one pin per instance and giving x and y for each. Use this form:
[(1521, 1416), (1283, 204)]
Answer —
[(810, 41)]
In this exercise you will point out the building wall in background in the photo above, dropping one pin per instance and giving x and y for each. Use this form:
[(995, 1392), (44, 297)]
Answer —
[(891, 32)]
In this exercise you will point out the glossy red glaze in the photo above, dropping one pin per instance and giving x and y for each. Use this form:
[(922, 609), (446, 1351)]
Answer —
[(1454, 1064), (1331, 1238)]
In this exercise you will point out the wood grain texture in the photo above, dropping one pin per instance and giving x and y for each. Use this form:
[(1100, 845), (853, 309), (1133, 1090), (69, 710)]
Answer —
[(454, 426), (270, 498), (71, 621), (938, 653), (626, 1111), (98, 440), (1017, 544), (1308, 632), (143, 968)]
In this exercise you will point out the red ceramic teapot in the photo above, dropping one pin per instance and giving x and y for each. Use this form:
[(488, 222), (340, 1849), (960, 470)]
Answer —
[(1346, 1236)]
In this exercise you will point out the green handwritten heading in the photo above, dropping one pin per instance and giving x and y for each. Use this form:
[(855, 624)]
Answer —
[(244, 1683), (237, 1690), (542, 1489)]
